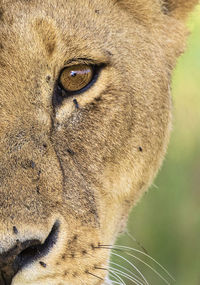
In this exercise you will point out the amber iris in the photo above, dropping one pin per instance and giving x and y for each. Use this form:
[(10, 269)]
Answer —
[(76, 77)]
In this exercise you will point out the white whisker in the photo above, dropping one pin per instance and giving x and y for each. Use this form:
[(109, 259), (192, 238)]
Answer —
[(132, 266), (127, 276), (155, 186), (117, 277), (124, 268), (155, 271), (115, 282), (147, 255)]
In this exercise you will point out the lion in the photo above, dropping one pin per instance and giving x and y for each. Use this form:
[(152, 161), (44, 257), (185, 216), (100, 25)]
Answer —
[(85, 121)]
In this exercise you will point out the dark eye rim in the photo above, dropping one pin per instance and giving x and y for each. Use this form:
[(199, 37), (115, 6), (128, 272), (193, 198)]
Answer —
[(96, 71)]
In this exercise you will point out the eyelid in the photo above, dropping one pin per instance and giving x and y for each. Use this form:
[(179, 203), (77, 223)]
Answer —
[(86, 61)]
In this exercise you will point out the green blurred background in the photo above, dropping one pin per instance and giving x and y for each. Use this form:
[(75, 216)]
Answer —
[(167, 220)]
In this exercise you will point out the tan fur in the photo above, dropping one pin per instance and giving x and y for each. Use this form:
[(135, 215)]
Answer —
[(93, 163)]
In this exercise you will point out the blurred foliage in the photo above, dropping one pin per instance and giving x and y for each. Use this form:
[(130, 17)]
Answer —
[(167, 220)]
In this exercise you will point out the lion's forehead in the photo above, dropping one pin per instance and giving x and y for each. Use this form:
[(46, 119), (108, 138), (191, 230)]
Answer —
[(56, 24)]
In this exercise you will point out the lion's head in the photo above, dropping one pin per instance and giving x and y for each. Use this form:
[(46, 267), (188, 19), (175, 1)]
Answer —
[(85, 117)]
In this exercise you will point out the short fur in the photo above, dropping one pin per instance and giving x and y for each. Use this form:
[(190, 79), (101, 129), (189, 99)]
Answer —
[(85, 166)]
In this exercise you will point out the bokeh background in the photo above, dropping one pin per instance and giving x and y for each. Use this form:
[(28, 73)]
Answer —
[(167, 220)]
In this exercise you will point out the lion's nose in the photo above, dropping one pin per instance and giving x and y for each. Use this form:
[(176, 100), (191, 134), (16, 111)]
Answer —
[(25, 253)]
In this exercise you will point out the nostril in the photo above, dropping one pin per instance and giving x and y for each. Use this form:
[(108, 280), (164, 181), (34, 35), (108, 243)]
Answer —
[(24, 254), (34, 252), (7, 260)]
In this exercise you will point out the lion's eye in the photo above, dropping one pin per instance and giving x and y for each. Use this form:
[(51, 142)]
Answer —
[(76, 77)]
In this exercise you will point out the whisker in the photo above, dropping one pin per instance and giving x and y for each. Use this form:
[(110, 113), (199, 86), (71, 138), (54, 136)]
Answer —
[(116, 276), (115, 282), (127, 276), (147, 255), (137, 242), (137, 250), (112, 253), (109, 272), (124, 268), (132, 266), (155, 186), (95, 275), (155, 271), (114, 270), (121, 247), (100, 268)]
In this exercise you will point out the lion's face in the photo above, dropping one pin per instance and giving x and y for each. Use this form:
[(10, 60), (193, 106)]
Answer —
[(73, 163)]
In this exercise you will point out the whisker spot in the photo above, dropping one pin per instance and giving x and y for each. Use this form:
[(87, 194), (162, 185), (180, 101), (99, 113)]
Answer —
[(15, 230), (43, 264)]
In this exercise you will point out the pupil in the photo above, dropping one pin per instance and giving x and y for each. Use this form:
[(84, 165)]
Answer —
[(73, 73)]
